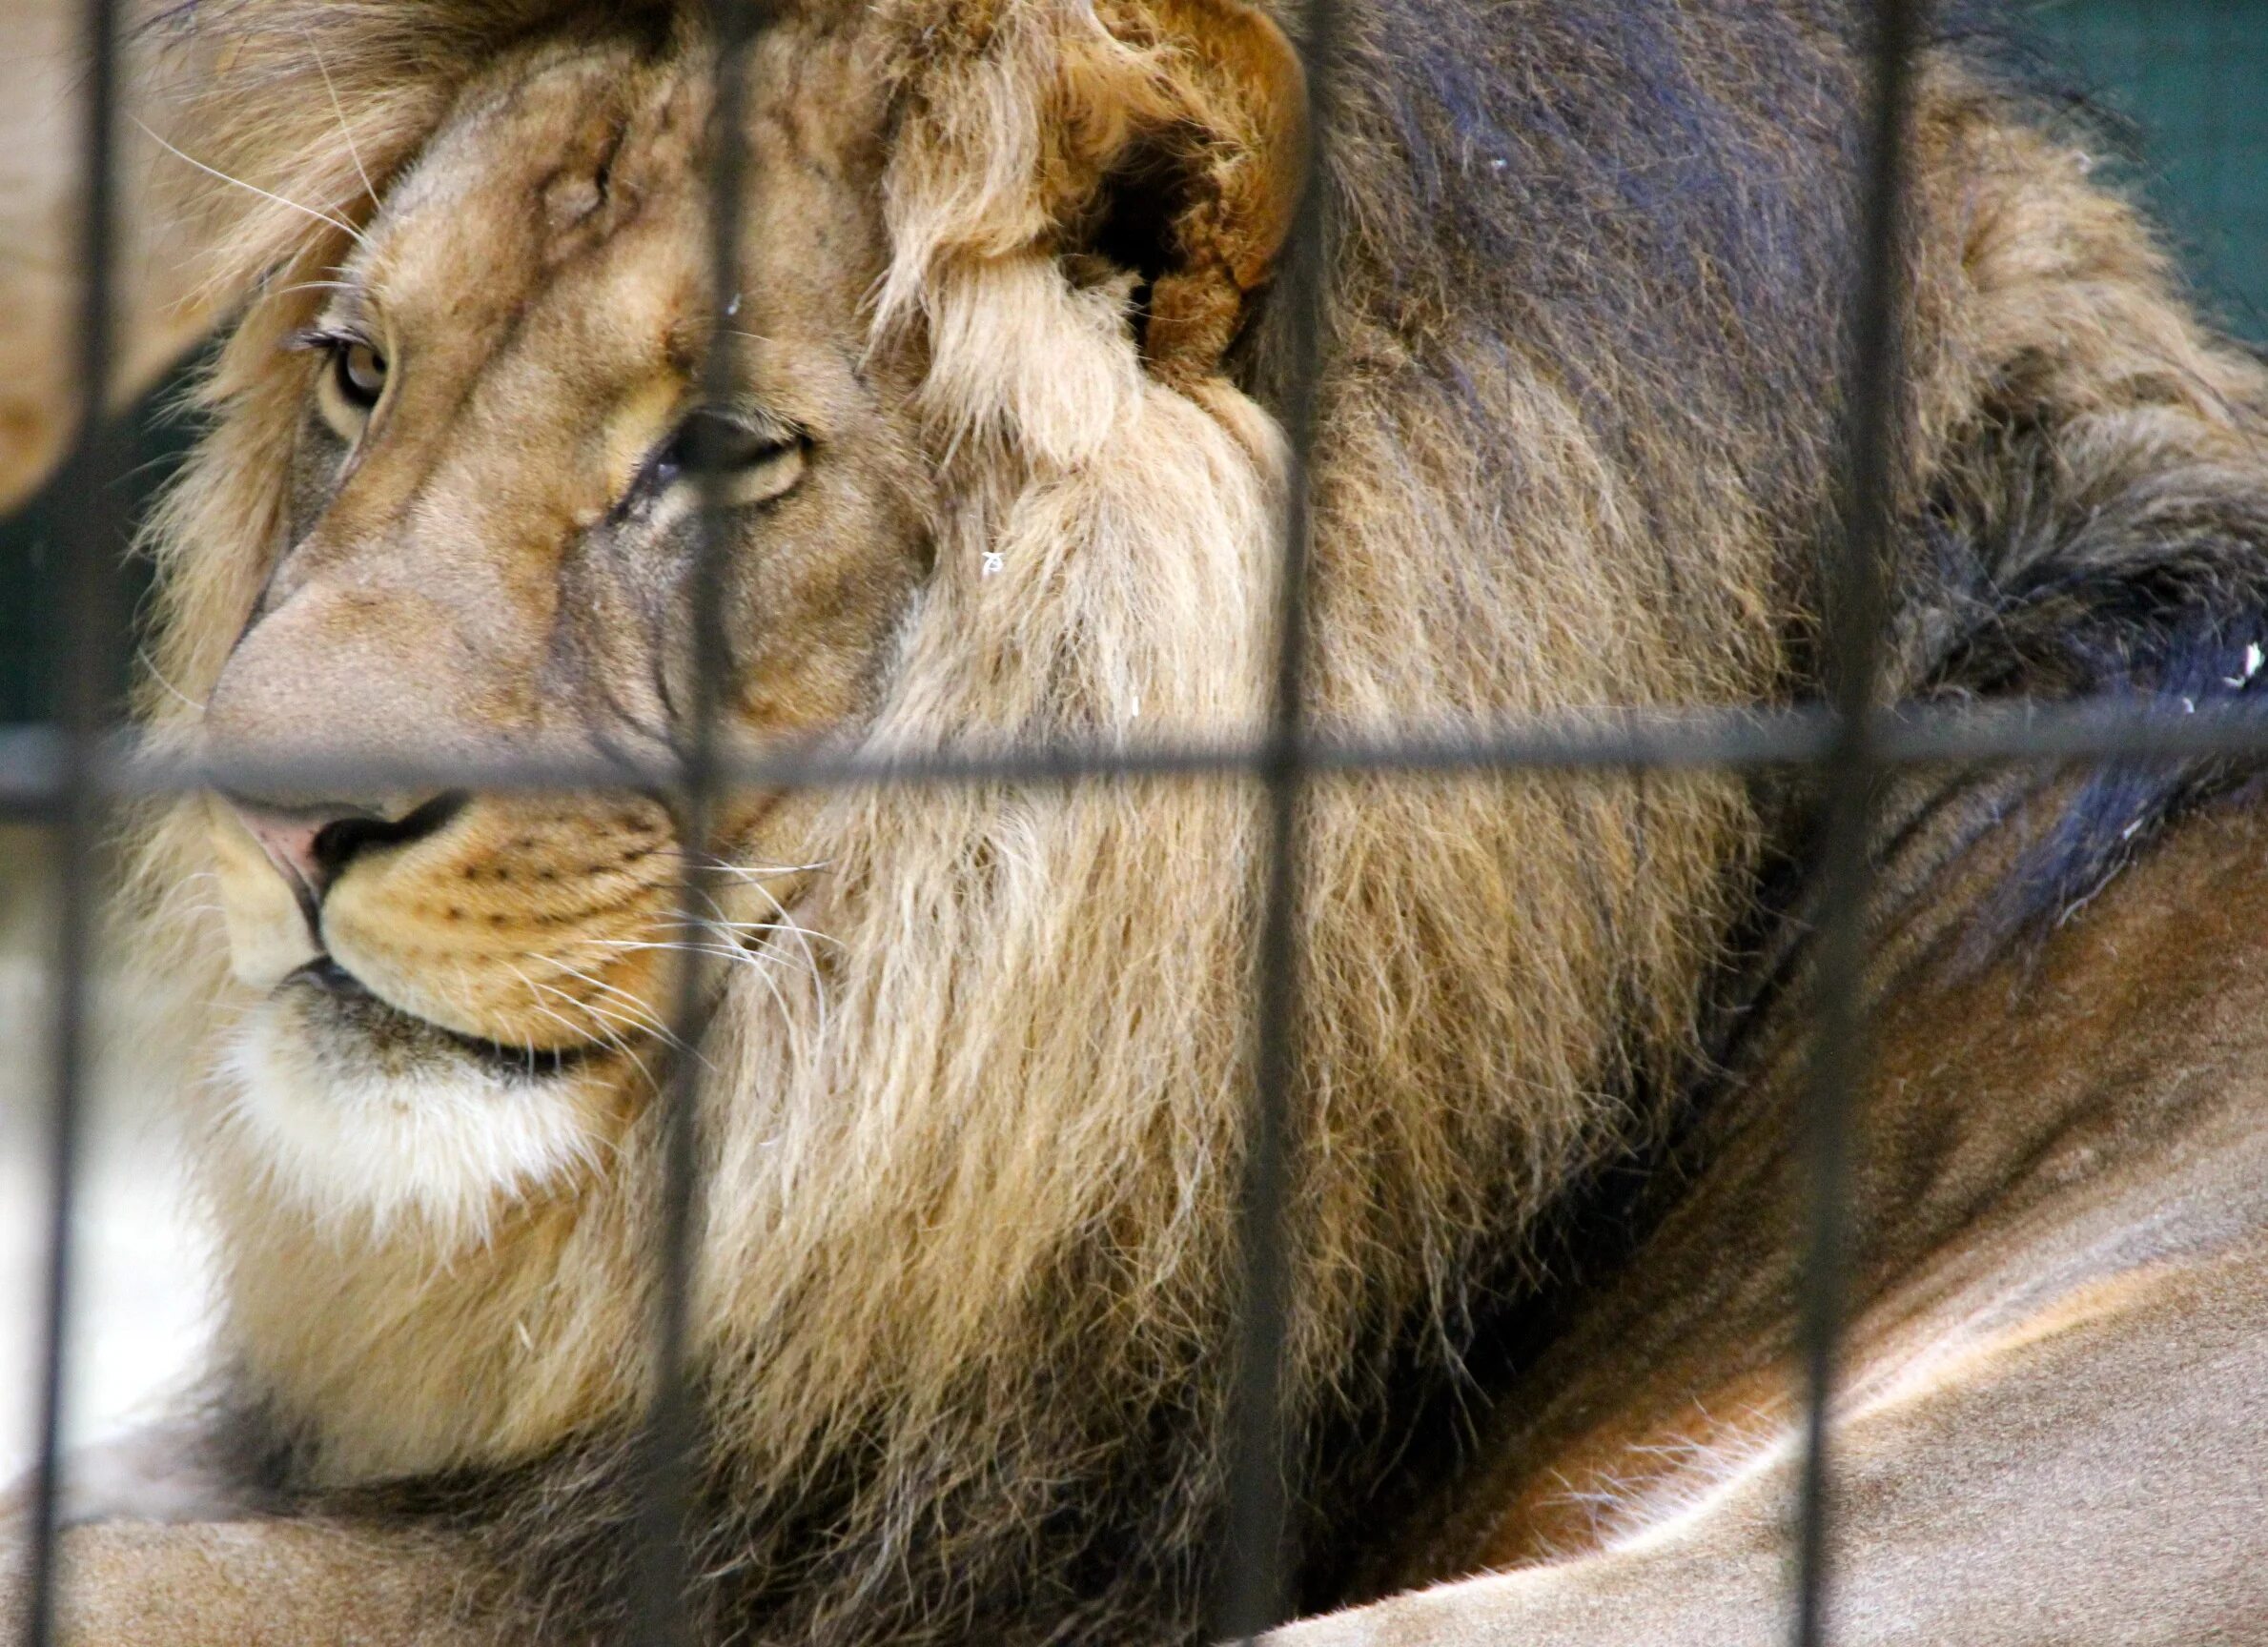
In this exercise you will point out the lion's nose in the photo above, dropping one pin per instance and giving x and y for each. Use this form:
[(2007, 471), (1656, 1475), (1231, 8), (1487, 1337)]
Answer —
[(310, 847)]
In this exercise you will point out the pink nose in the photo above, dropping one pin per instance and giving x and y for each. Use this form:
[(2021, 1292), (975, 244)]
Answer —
[(312, 847), (289, 840)]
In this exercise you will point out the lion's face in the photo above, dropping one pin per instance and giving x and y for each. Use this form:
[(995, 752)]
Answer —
[(488, 544)]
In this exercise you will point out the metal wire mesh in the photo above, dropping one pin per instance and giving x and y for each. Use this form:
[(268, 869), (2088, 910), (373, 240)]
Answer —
[(65, 775)]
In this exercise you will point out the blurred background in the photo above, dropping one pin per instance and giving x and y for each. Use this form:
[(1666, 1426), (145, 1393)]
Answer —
[(140, 1270), (2176, 89)]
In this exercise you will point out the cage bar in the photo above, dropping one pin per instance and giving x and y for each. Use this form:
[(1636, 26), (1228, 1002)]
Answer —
[(1253, 1588), (88, 658), (659, 1603), (32, 762), (1857, 605)]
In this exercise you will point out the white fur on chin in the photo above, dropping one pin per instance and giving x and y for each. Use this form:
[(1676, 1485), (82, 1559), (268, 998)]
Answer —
[(447, 1140)]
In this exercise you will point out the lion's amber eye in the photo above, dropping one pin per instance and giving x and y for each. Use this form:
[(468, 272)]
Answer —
[(360, 372)]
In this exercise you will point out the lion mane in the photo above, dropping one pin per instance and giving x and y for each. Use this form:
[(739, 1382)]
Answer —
[(964, 1292)]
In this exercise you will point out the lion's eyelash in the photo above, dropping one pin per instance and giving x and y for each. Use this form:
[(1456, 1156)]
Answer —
[(309, 339)]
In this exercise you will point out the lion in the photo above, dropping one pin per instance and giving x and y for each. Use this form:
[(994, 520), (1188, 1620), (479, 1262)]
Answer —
[(1005, 459)]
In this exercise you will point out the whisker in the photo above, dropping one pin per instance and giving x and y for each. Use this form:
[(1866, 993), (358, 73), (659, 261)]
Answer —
[(344, 130), (674, 1042), (758, 880), (580, 1031), (781, 922), (641, 1015), (149, 662), (723, 951), (621, 1043), (739, 954), (803, 935), (339, 223), (751, 871), (605, 1036), (767, 931), (748, 932)]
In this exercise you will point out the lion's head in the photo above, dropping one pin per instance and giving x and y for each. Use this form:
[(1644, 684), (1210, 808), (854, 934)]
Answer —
[(507, 353), (1004, 461)]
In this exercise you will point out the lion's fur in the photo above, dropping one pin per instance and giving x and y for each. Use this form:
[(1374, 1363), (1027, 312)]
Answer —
[(966, 1271)]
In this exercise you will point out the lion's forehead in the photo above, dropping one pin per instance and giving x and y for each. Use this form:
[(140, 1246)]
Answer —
[(552, 157), (544, 177)]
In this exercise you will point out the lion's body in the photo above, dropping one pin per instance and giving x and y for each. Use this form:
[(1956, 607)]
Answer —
[(2058, 1341), (974, 1093)]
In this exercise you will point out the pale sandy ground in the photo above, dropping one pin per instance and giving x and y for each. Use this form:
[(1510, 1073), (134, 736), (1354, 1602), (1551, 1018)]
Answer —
[(140, 1297)]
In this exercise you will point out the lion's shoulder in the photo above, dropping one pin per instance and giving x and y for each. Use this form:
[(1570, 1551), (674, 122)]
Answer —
[(2063, 1175)]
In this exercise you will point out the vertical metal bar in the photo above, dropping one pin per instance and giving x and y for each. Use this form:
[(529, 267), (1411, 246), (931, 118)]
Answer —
[(84, 676), (1857, 602), (1254, 1588), (659, 1599)]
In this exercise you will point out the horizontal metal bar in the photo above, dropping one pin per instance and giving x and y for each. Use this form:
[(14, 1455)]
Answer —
[(33, 758)]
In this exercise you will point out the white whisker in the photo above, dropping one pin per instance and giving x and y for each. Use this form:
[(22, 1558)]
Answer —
[(758, 963), (620, 1042), (314, 286), (339, 223), (158, 675), (641, 1018), (748, 932), (675, 1043), (577, 1032), (344, 130)]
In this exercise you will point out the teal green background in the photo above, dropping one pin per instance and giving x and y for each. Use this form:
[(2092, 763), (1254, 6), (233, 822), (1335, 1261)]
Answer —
[(2189, 81), (2182, 86)]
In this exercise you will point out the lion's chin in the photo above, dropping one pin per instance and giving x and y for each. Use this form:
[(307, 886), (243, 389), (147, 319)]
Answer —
[(358, 1107)]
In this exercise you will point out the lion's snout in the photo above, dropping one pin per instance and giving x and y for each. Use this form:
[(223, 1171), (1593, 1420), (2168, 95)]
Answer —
[(524, 923), (278, 865)]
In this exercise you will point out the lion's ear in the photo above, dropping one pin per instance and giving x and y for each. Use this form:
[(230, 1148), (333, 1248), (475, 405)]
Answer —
[(1199, 188)]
